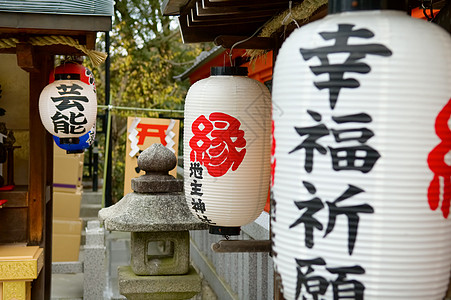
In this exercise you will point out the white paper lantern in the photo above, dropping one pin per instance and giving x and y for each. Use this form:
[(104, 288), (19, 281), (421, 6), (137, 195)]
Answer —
[(227, 133), (68, 108), (361, 107)]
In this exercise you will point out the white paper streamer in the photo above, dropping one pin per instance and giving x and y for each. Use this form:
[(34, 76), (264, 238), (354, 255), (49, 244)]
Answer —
[(170, 135), (133, 136)]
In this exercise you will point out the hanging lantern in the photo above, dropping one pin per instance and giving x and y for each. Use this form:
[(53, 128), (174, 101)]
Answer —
[(75, 71), (361, 105), (227, 133), (83, 142), (68, 109)]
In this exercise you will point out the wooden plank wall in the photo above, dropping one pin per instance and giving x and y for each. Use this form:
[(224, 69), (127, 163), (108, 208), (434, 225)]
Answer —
[(247, 276)]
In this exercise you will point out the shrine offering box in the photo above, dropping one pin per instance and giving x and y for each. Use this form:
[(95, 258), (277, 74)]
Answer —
[(67, 205), (19, 266), (66, 239)]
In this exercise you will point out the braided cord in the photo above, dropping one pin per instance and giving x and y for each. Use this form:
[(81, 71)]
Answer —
[(96, 57)]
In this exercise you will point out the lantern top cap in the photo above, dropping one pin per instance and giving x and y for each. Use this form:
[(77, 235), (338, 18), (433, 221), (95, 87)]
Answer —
[(338, 6), (227, 71)]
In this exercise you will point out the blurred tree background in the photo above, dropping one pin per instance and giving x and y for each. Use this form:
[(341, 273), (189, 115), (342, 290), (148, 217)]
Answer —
[(146, 52)]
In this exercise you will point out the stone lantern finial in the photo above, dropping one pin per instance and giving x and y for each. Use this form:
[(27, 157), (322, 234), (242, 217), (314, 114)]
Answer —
[(157, 161)]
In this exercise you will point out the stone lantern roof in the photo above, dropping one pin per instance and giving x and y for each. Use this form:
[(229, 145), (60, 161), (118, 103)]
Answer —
[(157, 203)]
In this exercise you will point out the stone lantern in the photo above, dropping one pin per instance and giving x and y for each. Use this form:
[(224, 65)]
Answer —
[(159, 220)]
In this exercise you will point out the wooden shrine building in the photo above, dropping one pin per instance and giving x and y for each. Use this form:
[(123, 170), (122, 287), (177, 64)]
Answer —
[(31, 34)]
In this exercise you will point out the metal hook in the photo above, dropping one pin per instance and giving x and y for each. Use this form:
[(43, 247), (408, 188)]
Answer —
[(429, 18)]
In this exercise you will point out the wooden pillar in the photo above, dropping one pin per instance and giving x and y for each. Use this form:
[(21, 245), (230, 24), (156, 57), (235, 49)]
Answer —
[(40, 176)]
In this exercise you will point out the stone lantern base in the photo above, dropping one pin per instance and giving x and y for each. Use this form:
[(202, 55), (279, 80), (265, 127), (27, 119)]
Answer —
[(174, 287)]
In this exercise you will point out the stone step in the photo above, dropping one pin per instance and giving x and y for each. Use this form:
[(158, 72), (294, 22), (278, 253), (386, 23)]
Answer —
[(89, 210), (85, 220), (90, 197), (87, 184), (83, 238)]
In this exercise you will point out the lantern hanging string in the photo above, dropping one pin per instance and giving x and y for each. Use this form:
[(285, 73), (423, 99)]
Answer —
[(96, 57), (289, 16), (112, 107), (243, 41)]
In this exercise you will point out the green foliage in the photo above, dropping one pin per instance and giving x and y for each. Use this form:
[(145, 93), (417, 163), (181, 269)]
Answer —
[(146, 52)]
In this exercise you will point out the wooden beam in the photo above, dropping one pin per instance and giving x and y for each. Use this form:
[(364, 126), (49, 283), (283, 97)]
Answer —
[(220, 23), (198, 14), (59, 50), (443, 17), (209, 33), (227, 41), (26, 58), (238, 3), (202, 10), (172, 7), (53, 22), (91, 40)]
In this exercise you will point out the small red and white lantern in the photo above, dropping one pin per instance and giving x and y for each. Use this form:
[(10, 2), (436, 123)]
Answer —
[(66, 71), (68, 108), (227, 133), (362, 181)]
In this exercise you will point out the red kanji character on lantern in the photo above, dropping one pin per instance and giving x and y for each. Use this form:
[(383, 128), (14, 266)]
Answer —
[(215, 143), (273, 153), (438, 165)]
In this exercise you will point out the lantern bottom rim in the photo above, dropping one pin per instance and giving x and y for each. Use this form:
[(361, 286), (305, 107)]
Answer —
[(223, 230), (75, 151), (70, 140)]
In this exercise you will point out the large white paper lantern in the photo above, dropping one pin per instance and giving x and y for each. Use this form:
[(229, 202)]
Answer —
[(227, 133), (361, 109), (68, 108)]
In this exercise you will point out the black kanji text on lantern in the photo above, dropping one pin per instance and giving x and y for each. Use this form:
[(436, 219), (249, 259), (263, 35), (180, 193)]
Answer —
[(69, 122), (196, 171), (360, 157), (352, 64), (316, 204), (316, 286)]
